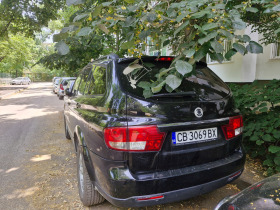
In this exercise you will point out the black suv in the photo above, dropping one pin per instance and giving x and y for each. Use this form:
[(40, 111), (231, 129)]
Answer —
[(136, 151)]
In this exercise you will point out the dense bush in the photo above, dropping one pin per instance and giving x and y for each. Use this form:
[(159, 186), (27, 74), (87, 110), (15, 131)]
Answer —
[(260, 106)]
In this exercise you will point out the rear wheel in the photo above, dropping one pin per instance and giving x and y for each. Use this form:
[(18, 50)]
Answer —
[(60, 97), (89, 196), (67, 135)]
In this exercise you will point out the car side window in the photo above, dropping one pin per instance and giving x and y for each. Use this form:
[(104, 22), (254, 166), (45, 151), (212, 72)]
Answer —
[(97, 83), (84, 79), (76, 86)]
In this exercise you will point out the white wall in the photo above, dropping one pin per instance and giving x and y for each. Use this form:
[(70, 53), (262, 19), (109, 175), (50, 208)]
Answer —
[(249, 67), (266, 68)]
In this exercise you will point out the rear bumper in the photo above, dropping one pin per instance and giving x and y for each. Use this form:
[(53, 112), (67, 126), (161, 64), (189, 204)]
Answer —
[(124, 189), (172, 196)]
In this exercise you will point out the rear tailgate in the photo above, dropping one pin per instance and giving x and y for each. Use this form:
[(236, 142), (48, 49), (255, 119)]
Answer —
[(176, 112)]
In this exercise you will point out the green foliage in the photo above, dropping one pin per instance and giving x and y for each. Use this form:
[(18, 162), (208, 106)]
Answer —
[(192, 28), (260, 106), (26, 16)]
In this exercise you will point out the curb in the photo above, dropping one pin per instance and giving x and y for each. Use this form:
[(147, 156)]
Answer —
[(12, 93)]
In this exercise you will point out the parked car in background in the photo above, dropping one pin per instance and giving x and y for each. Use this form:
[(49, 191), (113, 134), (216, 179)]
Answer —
[(55, 85), (21, 81), (136, 151), (62, 86), (53, 80), (262, 195)]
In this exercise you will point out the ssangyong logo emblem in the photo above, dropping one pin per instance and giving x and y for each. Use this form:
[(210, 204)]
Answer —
[(198, 112)]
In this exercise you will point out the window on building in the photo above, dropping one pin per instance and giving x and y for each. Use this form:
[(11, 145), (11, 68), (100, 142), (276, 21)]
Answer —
[(275, 50), (227, 46)]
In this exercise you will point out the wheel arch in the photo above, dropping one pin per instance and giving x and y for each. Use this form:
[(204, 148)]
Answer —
[(80, 143)]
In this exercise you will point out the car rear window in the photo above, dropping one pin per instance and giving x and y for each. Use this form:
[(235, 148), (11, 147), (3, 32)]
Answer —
[(204, 82)]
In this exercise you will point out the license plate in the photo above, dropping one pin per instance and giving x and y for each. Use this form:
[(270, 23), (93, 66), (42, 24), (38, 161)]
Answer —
[(183, 137)]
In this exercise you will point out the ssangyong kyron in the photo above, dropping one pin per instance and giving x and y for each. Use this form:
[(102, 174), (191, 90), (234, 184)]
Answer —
[(138, 151)]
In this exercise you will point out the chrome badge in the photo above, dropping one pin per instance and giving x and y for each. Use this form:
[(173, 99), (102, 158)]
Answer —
[(198, 112)]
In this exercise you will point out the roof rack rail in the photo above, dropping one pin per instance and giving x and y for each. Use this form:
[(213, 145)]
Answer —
[(112, 56)]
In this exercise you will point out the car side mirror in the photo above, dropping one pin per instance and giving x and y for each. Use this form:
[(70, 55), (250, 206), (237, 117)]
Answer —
[(68, 92)]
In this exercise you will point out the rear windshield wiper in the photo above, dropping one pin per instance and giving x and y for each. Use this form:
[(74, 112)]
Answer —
[(179, 94)]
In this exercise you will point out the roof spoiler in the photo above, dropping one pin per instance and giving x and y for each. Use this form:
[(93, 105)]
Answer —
[(111, 56)]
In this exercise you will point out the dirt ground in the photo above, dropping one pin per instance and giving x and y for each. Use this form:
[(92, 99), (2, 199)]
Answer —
[(47, 172)]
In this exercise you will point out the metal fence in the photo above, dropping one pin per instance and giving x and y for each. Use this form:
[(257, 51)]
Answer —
[(5, 78)]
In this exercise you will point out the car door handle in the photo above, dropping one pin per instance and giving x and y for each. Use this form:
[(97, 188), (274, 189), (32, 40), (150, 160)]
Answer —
[(78, 105)]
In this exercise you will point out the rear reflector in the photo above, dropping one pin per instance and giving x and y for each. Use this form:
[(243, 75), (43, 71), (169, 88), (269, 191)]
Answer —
[(234, 175), (135, 138), (234, 128), (151, 198)]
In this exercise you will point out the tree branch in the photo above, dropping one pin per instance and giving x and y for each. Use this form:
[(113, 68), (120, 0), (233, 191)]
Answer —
[(6, 28)]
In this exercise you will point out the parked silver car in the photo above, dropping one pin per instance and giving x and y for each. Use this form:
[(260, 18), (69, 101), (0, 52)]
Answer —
[(20, 81), (63, 85), (55, 85)]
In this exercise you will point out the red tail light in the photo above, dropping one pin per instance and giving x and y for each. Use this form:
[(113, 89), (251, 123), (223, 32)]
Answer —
[(138, 138), (165, 59), (61, 87), (234, 128)]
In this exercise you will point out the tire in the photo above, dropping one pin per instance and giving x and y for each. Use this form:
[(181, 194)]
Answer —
[(67, 134), (61, 97), (88, 195)]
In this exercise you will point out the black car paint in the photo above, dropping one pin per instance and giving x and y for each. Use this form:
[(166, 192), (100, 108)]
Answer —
[(173, 168), (262, 195)]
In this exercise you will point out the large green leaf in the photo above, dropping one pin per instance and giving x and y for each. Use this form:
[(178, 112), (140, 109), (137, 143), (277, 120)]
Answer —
[(189, 53), (217, 46), (80, 17), (181, 17), (147, 93), (252, 9), (200, 14), (144, 34), (60, 36), (84, 31), (151, 17), (209, 26), (181, 27), (276, 134), (277, 160), (158, 88), (277, 31), (145, 85), (254, 47), (276, 8), (267, 137), (201, 53), (239, 48), (207, 37), (183, 67), (173, 81), (62, 48), (97, 11), (239, 24), (230, 53), (273, 149), (103, 28)]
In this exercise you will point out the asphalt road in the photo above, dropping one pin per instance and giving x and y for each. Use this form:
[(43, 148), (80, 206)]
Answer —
[(38, 164)]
